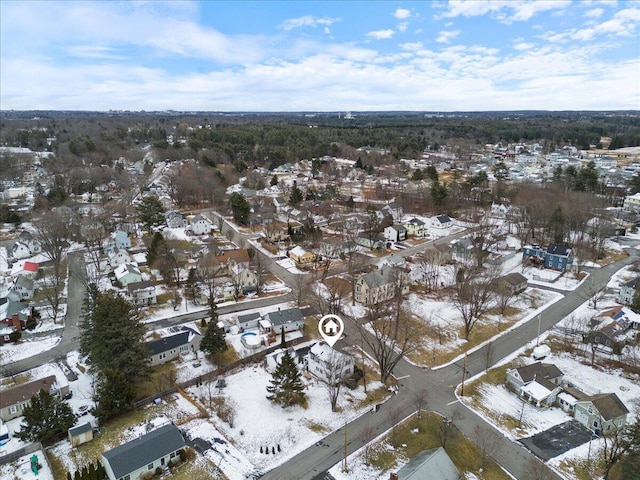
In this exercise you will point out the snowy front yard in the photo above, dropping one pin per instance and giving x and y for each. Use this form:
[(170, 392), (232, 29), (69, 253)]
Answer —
[(260, 424)]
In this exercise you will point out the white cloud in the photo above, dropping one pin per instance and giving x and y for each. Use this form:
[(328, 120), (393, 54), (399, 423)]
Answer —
[(307, 21), (402, 26), (447, 36), (523, 46), (624, 23), (506, 11), (381, 34), (595, 13), (402, 13), (411, 46)]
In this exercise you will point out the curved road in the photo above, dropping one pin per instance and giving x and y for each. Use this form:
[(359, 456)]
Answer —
[(312, 463)]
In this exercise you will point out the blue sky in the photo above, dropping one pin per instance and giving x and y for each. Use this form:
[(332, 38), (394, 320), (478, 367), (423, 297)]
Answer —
[(464, 55)]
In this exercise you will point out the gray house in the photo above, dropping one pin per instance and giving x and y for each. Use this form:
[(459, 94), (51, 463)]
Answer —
[(144, 454), (538, 383), (433, 464), (165, 349), (23, 286), (250, 320), (290, 319), (14, 400), (601, 413), (513, 283)]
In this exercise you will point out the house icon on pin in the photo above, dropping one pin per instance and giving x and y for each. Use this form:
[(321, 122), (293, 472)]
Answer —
[(331, 327)]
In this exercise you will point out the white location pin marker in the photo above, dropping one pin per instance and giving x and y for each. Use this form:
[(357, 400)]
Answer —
[(331, 328)]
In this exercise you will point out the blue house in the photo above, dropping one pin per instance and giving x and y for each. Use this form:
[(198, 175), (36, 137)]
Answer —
[(555, 256)]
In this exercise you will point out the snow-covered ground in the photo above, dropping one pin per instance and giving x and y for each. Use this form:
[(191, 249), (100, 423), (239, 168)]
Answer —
[(445, 319), (260, 423), (27, 347), (21, 468)]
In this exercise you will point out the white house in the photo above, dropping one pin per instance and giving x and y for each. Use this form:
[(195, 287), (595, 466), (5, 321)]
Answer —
[(628, 291), (328, 364), (200, 225), (127, 273), (395, 233), (632, 203), (118, 256), (440, 221), (165, 349), (142, 293), (144, 454), (242, 277), (20, 250)]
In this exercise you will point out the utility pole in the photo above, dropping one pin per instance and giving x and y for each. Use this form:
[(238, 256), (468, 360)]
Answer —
[(538, 337), (344, 453), (464, 372)]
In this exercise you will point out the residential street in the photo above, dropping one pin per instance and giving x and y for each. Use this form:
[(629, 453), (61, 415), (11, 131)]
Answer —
[(439, 384)]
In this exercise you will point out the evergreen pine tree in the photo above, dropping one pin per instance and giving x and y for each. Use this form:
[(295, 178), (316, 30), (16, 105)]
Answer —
[(76, 476), (93, 475), (69, 477), (296, 194), (213, 340), (286, 387), (114, 395), (46, 417), (274, 181), (351, 203), (359, 164), (101, 473), (85, 473), (154, 248)]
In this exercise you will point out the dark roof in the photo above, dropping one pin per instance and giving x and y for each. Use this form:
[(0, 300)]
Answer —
[(80, 429), (557, 249), (399, 228), (281, 317), (168, 343), (433, 464), (132, 287), (539, 371), (635, 283), (443, 218), (609, 405), (143, 450), (248, 317), (25, 391), (416, 221), (514, 279)]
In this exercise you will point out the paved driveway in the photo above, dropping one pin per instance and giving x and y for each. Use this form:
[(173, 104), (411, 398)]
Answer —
[(557, 440)]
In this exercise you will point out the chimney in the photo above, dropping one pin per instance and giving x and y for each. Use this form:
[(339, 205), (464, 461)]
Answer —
[(17, 324), (393, 476)]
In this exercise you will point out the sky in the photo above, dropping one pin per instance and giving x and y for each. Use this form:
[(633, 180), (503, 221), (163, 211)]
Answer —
[(457, 55)]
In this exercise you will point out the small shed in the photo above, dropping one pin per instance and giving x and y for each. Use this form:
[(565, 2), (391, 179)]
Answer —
[(80, 434)]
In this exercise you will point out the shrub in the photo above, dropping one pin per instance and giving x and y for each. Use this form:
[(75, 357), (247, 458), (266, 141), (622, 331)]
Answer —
[(158, 471), (183, 455)]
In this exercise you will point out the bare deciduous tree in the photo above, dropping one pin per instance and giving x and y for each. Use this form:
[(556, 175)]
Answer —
[(390, 338), (472, 297)]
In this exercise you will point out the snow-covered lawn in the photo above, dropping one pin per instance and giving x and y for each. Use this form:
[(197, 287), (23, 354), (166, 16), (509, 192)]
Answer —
[(446, 325), (25, 348), (260, 423), (21, 468)]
